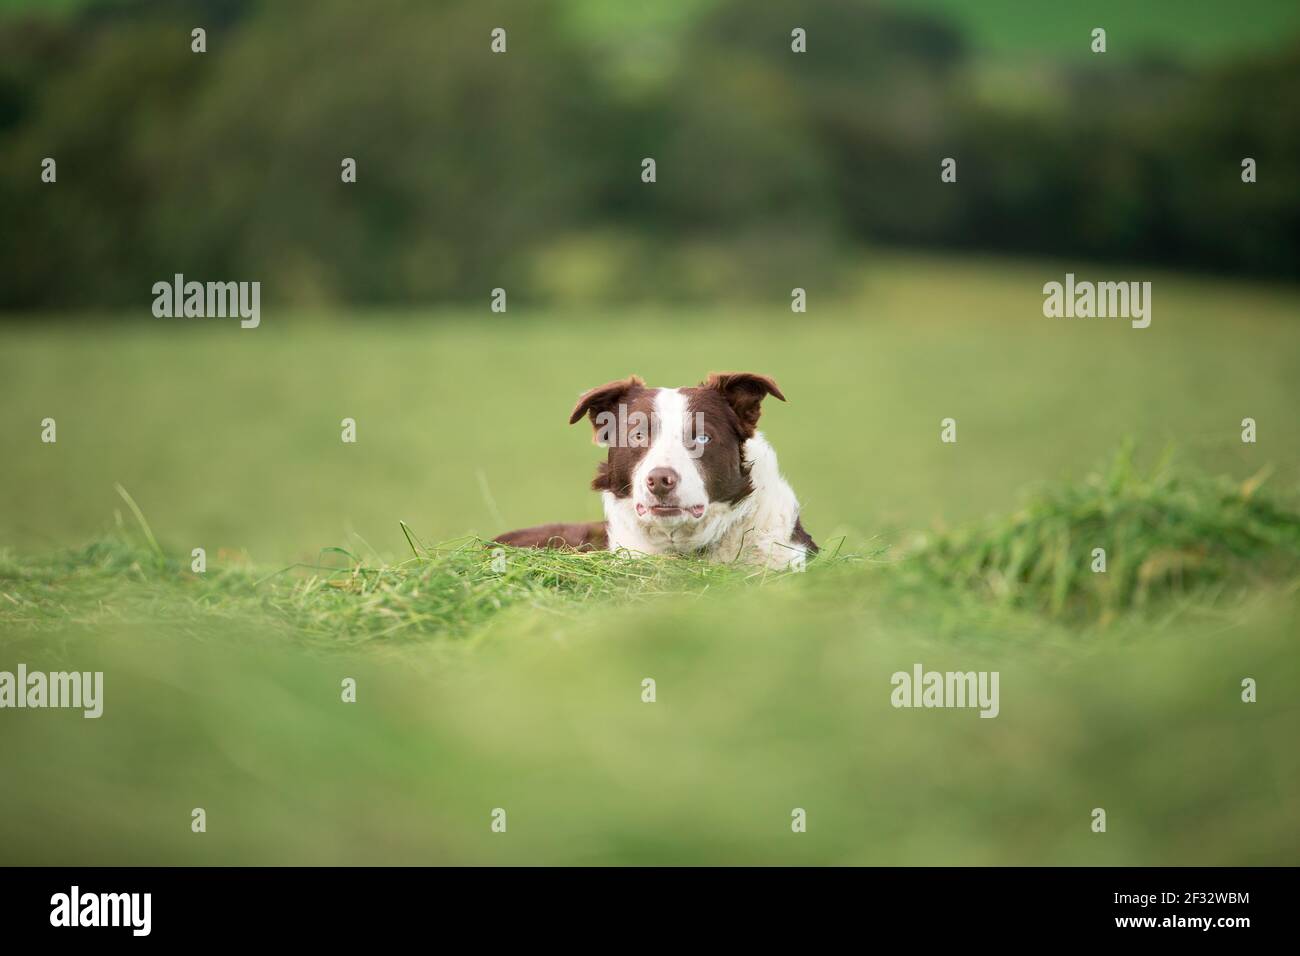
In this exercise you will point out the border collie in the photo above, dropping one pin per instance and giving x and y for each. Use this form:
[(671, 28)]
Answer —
[(687, 473)]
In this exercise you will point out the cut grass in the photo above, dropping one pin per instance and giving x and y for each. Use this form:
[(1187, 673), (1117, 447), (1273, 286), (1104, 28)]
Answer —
[(451, 589), (1169, 535)]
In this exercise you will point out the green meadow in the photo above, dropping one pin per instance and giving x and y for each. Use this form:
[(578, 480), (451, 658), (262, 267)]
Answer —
[(521, 689)]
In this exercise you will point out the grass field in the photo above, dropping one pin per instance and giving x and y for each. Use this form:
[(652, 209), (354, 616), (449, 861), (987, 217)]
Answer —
[(522, 690)]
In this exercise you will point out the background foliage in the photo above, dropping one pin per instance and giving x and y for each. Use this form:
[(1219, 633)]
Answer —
[(522, 170)]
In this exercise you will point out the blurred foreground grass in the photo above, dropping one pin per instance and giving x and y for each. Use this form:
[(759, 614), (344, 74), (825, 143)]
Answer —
[(768, 699)]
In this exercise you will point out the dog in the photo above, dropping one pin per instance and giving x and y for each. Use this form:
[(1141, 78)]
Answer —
[(687, 473)]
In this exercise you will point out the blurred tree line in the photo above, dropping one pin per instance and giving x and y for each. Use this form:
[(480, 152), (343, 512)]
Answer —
[(523, 170)]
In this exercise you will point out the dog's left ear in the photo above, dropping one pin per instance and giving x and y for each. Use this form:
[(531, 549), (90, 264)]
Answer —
[(605, 398), (744, 392)]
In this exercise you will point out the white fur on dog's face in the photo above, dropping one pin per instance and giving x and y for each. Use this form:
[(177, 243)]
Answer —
[(672, 446)]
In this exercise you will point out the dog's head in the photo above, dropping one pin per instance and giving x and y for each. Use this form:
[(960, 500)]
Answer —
[(675, 451)]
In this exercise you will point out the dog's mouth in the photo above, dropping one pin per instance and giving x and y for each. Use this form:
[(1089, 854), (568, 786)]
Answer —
[(669, 511)]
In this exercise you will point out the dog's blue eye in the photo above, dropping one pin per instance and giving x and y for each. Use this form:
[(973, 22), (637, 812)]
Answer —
[(701, 439)]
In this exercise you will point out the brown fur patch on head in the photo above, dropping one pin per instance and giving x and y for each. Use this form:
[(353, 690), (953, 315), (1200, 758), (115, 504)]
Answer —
[(721, 461), (604, 398), (744, 392), (621, 413)]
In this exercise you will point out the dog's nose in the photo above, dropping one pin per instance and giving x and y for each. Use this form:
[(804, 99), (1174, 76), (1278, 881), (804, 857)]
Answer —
[(662, 481)]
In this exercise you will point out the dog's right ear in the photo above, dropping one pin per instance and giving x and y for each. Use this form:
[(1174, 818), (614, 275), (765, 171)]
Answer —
[(604, 398)]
